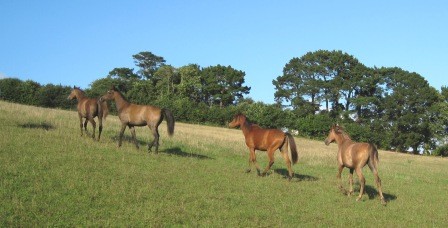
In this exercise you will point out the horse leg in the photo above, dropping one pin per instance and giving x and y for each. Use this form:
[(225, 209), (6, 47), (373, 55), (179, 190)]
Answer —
[(85, 124), (271, 162), (155, 142), (253, 161), (80, 124), (250, 164), (120, 136), (338, 176), (362, 181), (100, 127), (288, 163), (92, 121), (350, 180), (134, 138), (377, 181)]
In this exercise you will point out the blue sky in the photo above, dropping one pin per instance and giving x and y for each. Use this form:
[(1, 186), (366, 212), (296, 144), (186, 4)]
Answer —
[(76, 42)]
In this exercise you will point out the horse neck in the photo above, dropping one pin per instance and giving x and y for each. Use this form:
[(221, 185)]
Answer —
[(245, 127), (80, 95), (120, 101), (342, 139)]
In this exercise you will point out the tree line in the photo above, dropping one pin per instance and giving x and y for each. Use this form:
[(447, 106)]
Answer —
[(393, 108)]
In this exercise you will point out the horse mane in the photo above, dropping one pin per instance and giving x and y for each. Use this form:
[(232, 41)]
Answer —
[(341, 130), (121, 94), (250, 124), (82, 91)]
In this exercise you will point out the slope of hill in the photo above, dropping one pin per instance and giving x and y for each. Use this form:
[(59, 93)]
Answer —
[(51, 176)]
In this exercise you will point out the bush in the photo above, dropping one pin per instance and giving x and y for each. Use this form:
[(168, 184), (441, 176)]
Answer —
[(441, 151), (315, 126)]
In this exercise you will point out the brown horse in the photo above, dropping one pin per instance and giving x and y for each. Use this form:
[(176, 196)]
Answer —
[(89, 108), (355, 156), (266, 140), (132, 115)]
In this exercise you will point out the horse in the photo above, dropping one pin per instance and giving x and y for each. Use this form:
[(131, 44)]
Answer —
[(132, 115), (355, 156), (89, 108), (268, 140)]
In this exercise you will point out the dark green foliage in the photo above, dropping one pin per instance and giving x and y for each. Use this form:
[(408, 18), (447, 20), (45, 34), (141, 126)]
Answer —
[(8, 89), (52, 96), (314, 126), (32, 93), (390, 107), (441, 151)]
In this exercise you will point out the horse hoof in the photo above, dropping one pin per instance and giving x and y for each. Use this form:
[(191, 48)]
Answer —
[(383, 202), (248, 170), (358, 199)]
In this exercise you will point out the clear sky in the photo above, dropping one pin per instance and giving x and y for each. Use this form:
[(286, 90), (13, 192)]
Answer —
[(76, 42)]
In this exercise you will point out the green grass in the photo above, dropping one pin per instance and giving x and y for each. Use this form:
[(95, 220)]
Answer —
[(51, 176)]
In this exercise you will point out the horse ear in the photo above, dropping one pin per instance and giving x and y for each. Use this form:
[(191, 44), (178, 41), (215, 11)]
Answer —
[(339, 129)]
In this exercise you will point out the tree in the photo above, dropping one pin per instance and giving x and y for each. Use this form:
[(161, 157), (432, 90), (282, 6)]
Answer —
[(166, 77), (320, 75), (8, 89), (409, 102), (28, 91), (124, 73), (299, 82), (54, 96), (148, 64), (223, 85), (190, 82)]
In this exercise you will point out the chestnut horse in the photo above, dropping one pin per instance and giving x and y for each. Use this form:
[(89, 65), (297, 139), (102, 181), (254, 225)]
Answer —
[(266, 140), (355, 156), (89, 108), (132, 115)]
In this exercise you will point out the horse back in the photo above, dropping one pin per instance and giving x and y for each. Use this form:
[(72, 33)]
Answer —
[(140, 115), (357, 155), (88, 107), (264, 139)]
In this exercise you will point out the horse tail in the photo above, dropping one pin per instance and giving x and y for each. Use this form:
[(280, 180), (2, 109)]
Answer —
[(104, 109), (373, 153), (293, 147), (169, 120)]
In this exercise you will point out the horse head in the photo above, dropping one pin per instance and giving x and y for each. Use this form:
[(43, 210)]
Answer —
[(74, 93), (334, 131), (238, 120), (110, 94)]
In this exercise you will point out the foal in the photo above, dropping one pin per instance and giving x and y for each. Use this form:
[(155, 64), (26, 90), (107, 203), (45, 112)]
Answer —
[(89, 108), (266, 140), (355, 156), (132, 115)]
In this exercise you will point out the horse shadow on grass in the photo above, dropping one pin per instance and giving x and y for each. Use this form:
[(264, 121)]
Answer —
[(373, 192), (297, 176), (128, 139), (179, 152), (42, 125), (176, 151)]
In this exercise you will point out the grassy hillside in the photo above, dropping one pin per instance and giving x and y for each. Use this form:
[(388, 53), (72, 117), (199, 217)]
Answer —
[(50, 176)]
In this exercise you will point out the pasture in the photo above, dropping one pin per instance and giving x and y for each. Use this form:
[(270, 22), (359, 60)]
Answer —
[(51, 176)]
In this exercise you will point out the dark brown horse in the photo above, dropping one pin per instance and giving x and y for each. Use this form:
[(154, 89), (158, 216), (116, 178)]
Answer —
[(266, 140), (355, 156), (132, 115), (89, 108)]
